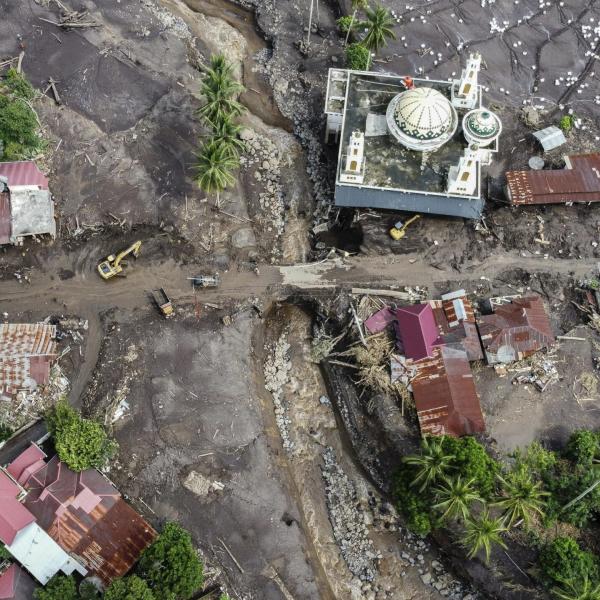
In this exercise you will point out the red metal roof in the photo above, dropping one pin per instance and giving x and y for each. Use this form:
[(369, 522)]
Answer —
[(7, 582), (516, 330), (581, 183), (380, 320), (23, 172), (84, 513), (25, 460), (5, 223), (13, 515), (445, 396), (417, 329)]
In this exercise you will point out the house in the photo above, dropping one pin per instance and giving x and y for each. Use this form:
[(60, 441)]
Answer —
[(54, 519), (579, 181), (27, 351), (417, 330), (15, 583), (445, 396), (26, 205), (515, 330)]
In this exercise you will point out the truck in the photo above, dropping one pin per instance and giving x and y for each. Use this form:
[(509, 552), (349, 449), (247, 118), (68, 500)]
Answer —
[(205, 281), (163, 302)]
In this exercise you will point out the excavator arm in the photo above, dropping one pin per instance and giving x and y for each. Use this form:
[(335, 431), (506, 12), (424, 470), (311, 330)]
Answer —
[(112, 265)]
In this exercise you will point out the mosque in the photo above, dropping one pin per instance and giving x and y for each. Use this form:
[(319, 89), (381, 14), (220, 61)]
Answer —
[(411, 144)]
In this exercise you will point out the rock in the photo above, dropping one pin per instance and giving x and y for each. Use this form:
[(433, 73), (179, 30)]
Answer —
[(243, 238), (247, 134), (197, 483), (426, 578)]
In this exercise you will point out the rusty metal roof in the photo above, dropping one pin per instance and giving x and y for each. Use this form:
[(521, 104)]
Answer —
[(23, 173), (516, 330), (26, 352), (580, 183), (445, 396), (85, 514)]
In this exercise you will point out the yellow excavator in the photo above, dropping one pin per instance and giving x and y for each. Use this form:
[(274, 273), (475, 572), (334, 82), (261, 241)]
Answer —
[(398, 231), (112, 265)]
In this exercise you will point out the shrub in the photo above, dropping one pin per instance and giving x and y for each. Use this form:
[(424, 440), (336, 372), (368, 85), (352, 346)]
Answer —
[(128, 588), (344, 23), (5, 432), (59, 587), (563, 562), (4, 553), (17, 85), (413, 505), (536, 459), (358, 58), (583, 447), (566, 123), (80, 443), (171, 566)]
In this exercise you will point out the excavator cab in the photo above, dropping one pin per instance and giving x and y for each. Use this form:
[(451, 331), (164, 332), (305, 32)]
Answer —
[(112, 266), (398, 231)]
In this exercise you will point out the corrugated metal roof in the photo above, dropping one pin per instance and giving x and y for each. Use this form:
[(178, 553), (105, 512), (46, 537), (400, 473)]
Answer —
[(85, 515), (5, 229), (445, 396), (550, 138), (23, 173), (581, 183), (26, 353), (25, 460), (7, 582), (13, 515), (516, 330), (363, 197), (417, 330)]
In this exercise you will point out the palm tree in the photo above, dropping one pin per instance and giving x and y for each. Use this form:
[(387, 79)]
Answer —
[(220, 89), (584, 590), (213, 170), (356, 6), (522, 496), (454, 497), (432, 464), (379, 28), (227, 131), (482, 533)]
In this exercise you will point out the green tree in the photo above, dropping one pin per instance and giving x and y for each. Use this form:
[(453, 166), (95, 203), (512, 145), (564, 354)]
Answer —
[(357, 57), (563, 562), (88, 591), (171, 566), (60, 587), (16, 85), (454, 498), (356, 6), (226, 131), (80, 443), (579, 590), (536, 459), (482, 533), (216, 161), (128, 588), (4, 553), (431, 464), (415, 507), (522, 497), (221, 90), (379, 25), (583, 447), (5, 432)]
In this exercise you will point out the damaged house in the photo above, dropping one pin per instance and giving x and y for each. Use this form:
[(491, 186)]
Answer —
[(53, 520), (515, 330), (26, 205)]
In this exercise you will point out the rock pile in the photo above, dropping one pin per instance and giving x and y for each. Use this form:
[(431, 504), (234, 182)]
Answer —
[(348, 520), (277, 375)]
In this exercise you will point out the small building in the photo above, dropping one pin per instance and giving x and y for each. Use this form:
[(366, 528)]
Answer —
[(515, 330), (26, 205), (417, 330), (27, 351), (445, 396), (579, 181), (550, 138)]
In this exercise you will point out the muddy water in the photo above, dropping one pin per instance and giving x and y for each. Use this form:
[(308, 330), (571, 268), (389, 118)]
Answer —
[(258, 97)]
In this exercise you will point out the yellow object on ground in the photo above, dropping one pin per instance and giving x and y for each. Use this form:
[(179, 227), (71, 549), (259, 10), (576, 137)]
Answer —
[(397, 233), (112, 265)]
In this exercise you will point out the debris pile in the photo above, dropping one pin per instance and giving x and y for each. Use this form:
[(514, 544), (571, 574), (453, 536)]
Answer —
[(277, 375), (539, 370), (348, 521)]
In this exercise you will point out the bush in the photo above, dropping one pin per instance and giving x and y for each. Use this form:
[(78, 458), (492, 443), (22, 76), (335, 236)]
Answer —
[(171, 566), (566, 123), (344, 23), (128, 588), (5, 432), (59, 587), (80, 443), (358, 58), (4, 553), (536, 459), (583, 447), (564, 562), (18, 86), (413, 505)]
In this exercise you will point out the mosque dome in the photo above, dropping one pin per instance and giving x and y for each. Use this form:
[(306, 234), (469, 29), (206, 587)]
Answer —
[(481, 126), (421, 119)]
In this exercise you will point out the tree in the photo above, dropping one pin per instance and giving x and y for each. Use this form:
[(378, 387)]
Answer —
[(482, 533), (522, 497), (379, 25), (128, 588), (80, 443), (357, 57), (579, 590), (583, 447), (454, 498), (227, 131), (216, 160), (221, 90), (171, 566), (563, 562), (432, 464), (356, 6), (60, 587)]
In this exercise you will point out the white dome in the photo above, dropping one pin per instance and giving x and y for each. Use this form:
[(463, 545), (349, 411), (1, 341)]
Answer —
[(481, 126), (421, 118)]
